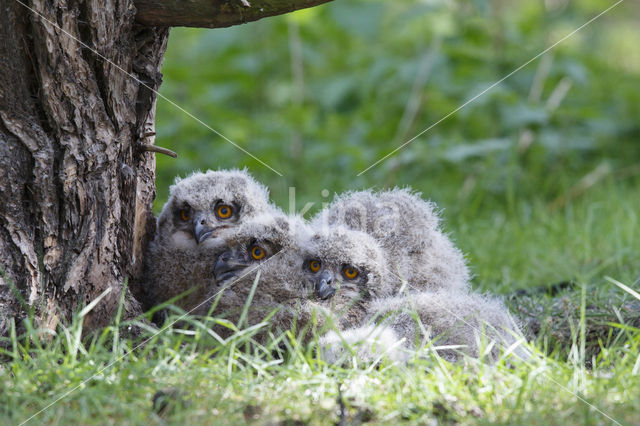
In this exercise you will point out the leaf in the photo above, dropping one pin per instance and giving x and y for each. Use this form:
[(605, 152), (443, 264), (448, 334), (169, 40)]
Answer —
[(459, 153)]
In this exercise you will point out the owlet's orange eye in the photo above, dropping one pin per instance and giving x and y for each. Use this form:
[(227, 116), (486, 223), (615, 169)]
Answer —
[(185, 214), (224, 211), (350, 272), (314, 265), (257, 252)]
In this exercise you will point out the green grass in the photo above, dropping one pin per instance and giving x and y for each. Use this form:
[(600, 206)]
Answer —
[(588, 238), (563, 207), (238, 381)]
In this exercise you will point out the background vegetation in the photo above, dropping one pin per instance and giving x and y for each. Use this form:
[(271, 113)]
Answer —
[(538, 180), (323, 93)]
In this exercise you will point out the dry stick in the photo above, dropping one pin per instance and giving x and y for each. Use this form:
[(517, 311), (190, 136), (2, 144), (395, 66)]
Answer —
[(158, 149), (556, 97), (591, 179), (559, 92), (154, 148), (413, 102)]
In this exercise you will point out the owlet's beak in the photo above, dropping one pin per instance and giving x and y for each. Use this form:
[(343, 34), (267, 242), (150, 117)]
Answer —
[(228, 266), (200, 229), (324, 289)]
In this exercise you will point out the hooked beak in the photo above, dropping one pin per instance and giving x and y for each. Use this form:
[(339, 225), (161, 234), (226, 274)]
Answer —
[(324, 290), (227, 267), (200, 229)]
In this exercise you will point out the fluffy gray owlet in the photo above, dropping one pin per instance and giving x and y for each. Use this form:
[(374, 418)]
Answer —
[(349, 273), (302, 275), (267, 245), (454, 322), (343, 272), (408, 230), (182, 255)]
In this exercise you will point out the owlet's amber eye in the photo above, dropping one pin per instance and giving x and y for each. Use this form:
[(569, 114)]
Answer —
[(224, 211), (185, 214), (350, 273), (257, 253), (314, 265)]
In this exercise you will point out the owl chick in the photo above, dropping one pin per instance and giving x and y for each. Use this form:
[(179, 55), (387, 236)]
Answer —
[(187, 238), (470, 320), (453, 316), (454, 322), (408, 229), (267, 245), (344, 270), (302, 274)]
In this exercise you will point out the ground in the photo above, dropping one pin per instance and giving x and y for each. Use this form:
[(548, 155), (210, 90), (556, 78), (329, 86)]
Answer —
[(539, 182), (213, 383)]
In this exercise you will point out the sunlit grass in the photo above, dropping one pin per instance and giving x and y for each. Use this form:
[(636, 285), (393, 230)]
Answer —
[(588, 352), (235, 386), (521, 215), (195, 377), (584, 240)]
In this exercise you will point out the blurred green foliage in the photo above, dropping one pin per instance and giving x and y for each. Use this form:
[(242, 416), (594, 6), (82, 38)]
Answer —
[(323, 93)]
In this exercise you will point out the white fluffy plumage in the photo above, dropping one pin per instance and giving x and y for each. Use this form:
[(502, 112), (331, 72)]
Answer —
[(408, 230), (187, 241), (268, 245), (351, 272), (452, 323), (346, 266), (469, 320)]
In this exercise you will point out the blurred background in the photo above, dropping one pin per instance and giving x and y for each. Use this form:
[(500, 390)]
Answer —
[(538, 178)]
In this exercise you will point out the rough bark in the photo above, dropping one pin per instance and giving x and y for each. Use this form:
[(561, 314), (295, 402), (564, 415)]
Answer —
[(75, 191), (77, 91), (214, 13)]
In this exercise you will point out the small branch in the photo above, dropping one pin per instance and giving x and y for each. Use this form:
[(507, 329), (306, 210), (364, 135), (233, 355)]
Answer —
[(213, 13), (158, 149)]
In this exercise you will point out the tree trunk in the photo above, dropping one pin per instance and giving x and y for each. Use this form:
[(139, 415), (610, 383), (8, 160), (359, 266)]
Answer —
[(78, 81), (76, 190)]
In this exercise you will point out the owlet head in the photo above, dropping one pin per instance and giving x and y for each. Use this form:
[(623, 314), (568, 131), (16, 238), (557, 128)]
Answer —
[(255, 242), (343, 267), (200, 206)]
